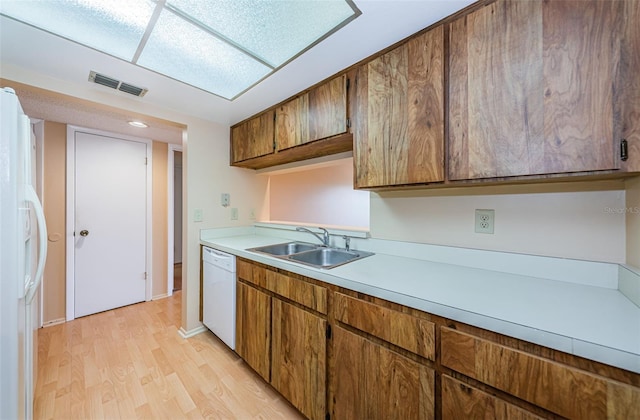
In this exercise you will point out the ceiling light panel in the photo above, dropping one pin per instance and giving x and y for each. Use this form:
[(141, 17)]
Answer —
[(112, 26), (274, 31), (180, 50), (221, 46)]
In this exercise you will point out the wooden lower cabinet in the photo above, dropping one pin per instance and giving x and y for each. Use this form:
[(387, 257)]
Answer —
[(385, 361), (462, 401), (564, 390), (299, 358), (253, 328), (369, 381)]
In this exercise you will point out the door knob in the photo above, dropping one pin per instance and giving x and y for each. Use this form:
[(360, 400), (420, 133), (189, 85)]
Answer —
[(84, 232)]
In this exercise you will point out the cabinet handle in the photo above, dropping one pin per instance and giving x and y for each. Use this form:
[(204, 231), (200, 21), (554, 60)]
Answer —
[(624, 151)]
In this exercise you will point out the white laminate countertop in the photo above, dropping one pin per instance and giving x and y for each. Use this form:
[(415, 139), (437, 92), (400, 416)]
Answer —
[(594, 322)]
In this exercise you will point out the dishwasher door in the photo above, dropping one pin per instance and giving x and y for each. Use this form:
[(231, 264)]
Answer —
[(219, 294)]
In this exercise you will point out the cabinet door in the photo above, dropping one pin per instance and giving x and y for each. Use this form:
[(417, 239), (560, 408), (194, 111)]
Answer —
[(292, 126), (315, 115), (328, 109), (253, 328), (531, 88), (371, 382), (253, 138), (299, 358), (461, 401), (399, 115)]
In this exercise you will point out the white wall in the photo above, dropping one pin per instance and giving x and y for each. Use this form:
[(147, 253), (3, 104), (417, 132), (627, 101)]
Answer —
[(322, 196), (206, 174), (560, 220)]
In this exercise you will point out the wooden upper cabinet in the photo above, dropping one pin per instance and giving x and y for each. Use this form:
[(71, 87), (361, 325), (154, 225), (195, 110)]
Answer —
[(253, 138), (328, 109), (532, 89), (399, 115), (314, 115)]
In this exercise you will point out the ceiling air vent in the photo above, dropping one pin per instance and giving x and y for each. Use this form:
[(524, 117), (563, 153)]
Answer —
[(107, 81)]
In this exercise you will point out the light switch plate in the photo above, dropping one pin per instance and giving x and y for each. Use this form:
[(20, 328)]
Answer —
[(225, 199), (234, 213), (197, 215)]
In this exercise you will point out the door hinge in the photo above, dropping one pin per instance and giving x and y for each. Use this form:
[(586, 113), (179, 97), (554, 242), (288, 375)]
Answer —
[(348, 122), (624, 150), (328, 331), (146, 161), (145, 275), (348, 83)]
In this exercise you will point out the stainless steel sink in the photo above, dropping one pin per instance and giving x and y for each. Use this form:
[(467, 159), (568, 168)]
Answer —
[(313, 255), (328, 257), (288, 248)]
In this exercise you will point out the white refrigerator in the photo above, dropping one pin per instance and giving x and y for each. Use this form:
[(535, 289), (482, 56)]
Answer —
[(23, 242)]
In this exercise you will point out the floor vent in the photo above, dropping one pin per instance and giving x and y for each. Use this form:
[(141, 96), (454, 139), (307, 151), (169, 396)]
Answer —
[(107, 81)]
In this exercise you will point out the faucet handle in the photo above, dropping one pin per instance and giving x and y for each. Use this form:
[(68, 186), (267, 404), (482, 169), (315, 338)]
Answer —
[(347, 241)]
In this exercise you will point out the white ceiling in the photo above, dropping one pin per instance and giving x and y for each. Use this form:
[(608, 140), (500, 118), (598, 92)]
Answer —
[(382, 23)]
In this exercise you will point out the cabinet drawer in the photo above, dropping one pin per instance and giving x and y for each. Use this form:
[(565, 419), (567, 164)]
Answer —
[(403, 330), (251, 273), (461, 401), (371, 382), (567, 391), (306, 294)]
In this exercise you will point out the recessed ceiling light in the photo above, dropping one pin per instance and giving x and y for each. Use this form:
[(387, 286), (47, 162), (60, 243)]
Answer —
[(138, 124)]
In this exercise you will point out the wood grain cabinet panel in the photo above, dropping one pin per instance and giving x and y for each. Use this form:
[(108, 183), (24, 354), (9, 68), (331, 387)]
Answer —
[(564, 390), (314, 115), (629, 86), (251, 273), (307, 294), (253, 328), (399, 115), (406, 331), (371, 382), (253, 138), (292, 123), (328, 109), (532, 89), (461, 401), (299, 358)]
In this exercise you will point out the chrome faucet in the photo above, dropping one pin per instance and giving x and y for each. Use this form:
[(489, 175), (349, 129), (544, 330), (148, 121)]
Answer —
[(325, 236)]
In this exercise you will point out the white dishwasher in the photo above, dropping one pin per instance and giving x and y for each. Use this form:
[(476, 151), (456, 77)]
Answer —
[(219, 294)]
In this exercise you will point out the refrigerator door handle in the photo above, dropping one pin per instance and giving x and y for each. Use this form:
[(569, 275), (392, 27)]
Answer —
[(32, 197)]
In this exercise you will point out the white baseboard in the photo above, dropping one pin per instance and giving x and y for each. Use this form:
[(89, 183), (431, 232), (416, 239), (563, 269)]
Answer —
[(195, 331), (161, 296), (54, 322)]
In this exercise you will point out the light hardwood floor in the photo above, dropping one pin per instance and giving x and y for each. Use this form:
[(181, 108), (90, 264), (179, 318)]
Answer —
[(131, 363)]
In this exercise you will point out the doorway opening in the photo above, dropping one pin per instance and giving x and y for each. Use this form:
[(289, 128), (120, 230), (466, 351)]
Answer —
[(174, 206)]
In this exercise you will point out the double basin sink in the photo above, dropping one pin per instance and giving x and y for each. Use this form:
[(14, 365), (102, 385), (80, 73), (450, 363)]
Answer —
[(317, 256)]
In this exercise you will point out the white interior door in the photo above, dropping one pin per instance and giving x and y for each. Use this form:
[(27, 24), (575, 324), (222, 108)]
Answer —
[(110, 223)]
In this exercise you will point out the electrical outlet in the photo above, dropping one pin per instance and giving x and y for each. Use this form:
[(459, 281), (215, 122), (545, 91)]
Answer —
[(197, 215), (234, 213), (252, 214), (485, 219)]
